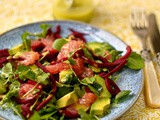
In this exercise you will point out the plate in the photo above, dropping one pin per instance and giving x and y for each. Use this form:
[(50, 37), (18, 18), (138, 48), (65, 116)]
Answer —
[(129, 80)]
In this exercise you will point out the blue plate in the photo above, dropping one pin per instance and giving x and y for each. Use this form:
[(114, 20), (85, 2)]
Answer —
[(129, 80)]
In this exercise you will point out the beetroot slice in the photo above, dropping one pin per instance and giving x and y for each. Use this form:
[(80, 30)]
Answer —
[(77, 34), (43, 103), (4, 53), (112, 87), (118, 67), (2, 61), (26, 112)]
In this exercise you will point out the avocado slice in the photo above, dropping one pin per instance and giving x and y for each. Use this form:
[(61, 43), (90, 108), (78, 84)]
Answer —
[(64, 75), (67, 99), (95, 69), (99, 48), (100, 107), (94, 45), (99, 45), (16, 49), (104, 92)]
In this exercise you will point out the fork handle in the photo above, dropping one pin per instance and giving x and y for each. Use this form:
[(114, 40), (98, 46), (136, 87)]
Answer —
[(152, 87)]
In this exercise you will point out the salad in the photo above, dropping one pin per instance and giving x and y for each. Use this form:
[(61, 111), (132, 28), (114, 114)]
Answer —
[(49, 77)]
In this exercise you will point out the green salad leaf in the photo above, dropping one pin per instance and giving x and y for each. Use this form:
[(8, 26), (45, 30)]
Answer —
[(44, 28), (61, 91), (48, 112), (35, 116), (121, 95), (7, 70), (114, 55), (2, 86), (85, 116), (87, 53), (42, 78), (135, 61), (92, 85), (13, 90), (26, 41), (100, 48), (24, 72), (33, 73), (28, 36), (79, 91), (58, 43), (15, 108)]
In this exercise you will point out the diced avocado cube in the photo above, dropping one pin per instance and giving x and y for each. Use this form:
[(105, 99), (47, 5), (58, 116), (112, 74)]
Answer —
[(95, 69), (99, 45), (99, 48), (16, 49), (94, 45), (101, 106), (67, 99), (64, 75), (104, 92)]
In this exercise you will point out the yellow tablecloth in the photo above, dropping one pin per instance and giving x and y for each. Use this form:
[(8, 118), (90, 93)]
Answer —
[(110, 15)]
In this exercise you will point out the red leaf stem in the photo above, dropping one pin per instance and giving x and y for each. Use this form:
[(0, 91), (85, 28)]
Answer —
[(129, 51), (38, 64), (100, 65), (54, 87), (58, 31), (115, 69), (26, 110), (43, 103), (78, 34)]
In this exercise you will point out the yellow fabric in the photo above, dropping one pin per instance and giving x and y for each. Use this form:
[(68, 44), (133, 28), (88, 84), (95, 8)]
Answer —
[(110, 15)]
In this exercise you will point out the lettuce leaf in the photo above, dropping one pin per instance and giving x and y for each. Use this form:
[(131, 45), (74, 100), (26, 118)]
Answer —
[(121, 95), (13, 90), (44, 28), (7, 70), (2, 86), (32, 73), (85, 116), (26, 41), (100, 48), (135, 61), (28, 36), (92, 85)]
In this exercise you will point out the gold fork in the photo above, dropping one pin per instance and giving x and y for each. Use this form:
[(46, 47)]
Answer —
[(152, 89)]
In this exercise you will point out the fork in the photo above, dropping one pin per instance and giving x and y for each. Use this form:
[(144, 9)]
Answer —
[(140, 28)]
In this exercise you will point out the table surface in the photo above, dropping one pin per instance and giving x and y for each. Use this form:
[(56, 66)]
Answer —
[(110, 15)]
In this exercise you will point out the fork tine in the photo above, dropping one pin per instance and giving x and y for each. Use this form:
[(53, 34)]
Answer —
[(138, 19), (143, 19), (132, 19), (139, 22)]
